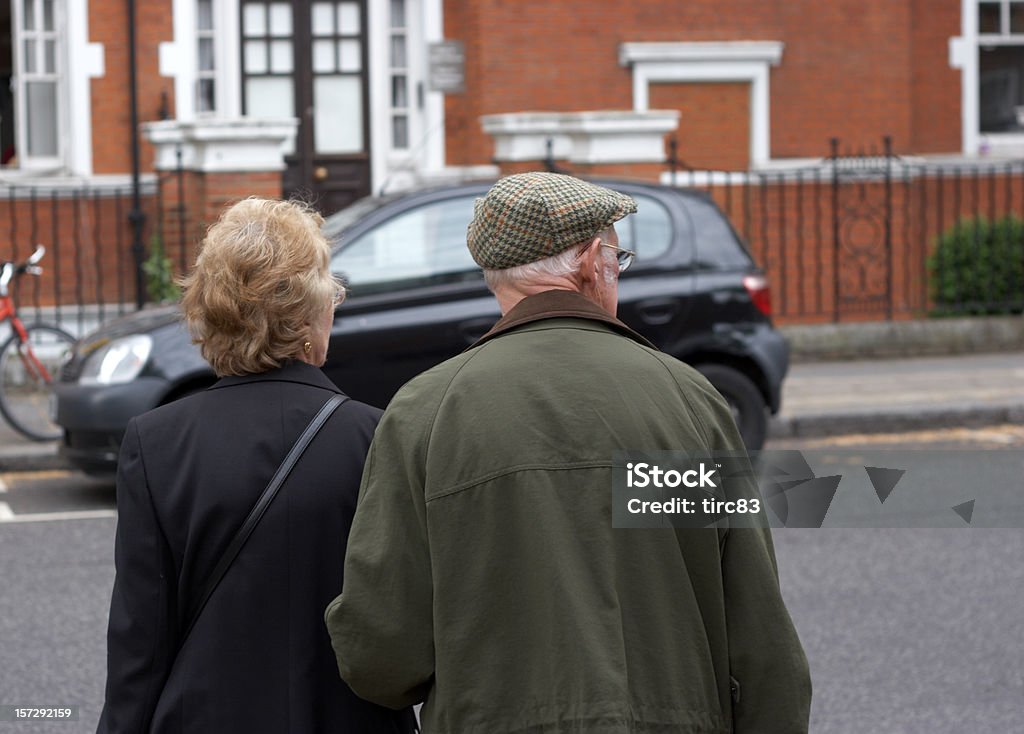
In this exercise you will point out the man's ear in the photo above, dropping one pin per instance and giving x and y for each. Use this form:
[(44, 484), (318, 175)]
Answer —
[(590, 264)]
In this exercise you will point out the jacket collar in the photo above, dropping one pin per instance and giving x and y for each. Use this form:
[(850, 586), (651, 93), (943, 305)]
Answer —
[(557, 304), (291, 371)]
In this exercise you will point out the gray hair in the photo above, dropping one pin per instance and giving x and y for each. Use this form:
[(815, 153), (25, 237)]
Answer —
[(562, 265)]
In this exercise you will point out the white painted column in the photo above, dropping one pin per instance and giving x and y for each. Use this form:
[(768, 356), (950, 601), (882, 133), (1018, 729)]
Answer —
[(227, 55), (84, 62), (377, 24), (433, 113), (178, 59), (963, 55), (760, 115)]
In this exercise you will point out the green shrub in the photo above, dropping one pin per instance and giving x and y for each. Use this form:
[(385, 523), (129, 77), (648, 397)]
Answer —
[(160, 285), (978, 267)]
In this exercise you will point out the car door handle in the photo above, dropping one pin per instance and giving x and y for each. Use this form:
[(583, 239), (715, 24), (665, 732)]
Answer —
[(658, 311), (473, 329)]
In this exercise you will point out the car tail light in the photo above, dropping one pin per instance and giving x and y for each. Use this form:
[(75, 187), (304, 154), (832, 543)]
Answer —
[(760, 293)]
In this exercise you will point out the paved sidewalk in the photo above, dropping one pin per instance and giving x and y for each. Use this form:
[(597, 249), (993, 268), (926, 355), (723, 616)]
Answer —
[(823, 398), (894, 395)]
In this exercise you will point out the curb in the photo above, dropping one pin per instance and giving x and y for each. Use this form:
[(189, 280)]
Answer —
[(815, 426), (44, 457), (900, 339)]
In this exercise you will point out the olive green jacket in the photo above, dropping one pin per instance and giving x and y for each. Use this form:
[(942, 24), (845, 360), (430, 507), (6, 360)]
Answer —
[(484, 577)]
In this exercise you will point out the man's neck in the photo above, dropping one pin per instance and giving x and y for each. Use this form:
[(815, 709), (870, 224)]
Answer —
[(508, 297)]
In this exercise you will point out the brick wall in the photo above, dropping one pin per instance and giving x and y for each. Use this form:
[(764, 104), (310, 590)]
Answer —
[(714, 123), (853, 69), (88, 236), (111, 113), (88, 245), (187, 211), (637, 171), (935, 86)]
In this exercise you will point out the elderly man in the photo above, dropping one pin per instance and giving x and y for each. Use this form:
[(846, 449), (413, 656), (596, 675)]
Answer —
[(483, 575)]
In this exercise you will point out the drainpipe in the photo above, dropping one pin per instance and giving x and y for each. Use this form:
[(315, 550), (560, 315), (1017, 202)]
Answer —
[(136, 216)]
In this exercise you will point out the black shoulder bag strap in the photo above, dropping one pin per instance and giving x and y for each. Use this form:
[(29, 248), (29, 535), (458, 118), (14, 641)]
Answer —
[(261, 507)]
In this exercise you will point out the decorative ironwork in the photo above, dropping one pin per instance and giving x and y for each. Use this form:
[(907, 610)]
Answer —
[(862, 230)]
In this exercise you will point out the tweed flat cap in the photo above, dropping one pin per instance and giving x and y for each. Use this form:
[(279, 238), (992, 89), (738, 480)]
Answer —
[(531, 216)]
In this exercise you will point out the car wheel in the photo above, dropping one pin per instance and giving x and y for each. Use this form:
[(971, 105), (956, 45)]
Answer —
[(748, 406)]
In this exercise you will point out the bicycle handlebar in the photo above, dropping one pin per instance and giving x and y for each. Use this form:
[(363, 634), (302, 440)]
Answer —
[(10, 270)]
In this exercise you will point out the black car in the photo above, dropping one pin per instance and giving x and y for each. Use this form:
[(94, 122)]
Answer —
[(416, 298)]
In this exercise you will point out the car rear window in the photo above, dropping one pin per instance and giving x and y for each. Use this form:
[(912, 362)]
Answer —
[(716, 244), (648, 233)]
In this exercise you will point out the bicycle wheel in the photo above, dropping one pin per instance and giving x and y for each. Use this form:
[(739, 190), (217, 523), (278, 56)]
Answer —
[(27, 370)]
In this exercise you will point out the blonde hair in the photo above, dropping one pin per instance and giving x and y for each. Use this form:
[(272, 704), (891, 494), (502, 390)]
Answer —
[(261, 280)]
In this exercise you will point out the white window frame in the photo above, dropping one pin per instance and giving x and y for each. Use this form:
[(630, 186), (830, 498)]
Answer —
[(392, 168), (710, 61), (210, 34), (964, 53), (397, 161), (412, 92), (58, 77), (180, 60), (425, 20)]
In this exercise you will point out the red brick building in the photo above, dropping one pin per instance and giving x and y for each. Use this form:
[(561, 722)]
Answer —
[(390, 92), (756, 81)]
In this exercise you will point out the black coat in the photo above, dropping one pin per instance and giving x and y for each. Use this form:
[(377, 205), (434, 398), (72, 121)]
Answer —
[(259, 658)]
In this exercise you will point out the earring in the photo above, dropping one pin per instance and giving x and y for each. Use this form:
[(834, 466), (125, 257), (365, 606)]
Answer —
[(307, 347)]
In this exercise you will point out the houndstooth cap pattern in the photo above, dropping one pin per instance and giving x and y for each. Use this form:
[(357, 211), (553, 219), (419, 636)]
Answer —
[(530, 216)]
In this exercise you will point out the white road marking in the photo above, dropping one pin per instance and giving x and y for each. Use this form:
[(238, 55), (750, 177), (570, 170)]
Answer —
[(7, 516)]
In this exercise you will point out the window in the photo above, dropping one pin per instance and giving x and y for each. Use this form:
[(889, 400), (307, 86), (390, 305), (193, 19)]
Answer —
[(422, 246), (1000, 65), (716, 243), (205, 63), (648, 233), (398, 52), (337, 78), (267, 60), (36, 107)]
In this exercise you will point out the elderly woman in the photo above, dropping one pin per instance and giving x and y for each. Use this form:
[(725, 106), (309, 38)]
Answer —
[(257, 658)]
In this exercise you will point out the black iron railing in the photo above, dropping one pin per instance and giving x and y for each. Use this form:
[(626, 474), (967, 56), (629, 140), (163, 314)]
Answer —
[(866, 235), (91, 272), (88, 272), (871, 235)]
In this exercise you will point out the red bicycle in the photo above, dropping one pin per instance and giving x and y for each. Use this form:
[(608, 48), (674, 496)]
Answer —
[(30, 360)]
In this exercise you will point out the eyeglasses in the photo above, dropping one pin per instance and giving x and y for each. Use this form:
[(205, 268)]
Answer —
[(623, 256)]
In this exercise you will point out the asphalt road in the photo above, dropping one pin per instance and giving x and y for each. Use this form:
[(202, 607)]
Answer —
[(907, 630), (56, 578)]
